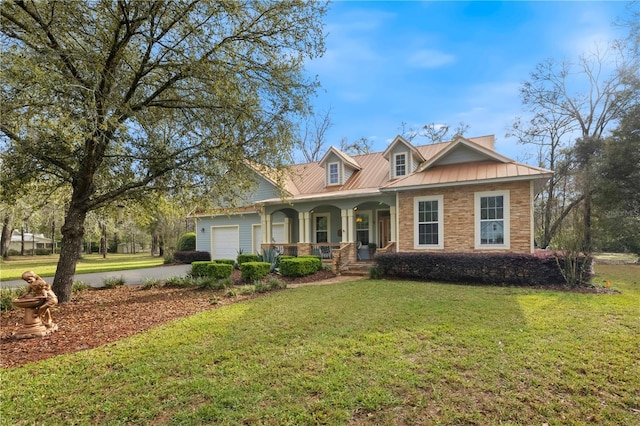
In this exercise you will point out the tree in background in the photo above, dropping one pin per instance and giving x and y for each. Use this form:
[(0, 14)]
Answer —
[(434, 132), (117, 99), (573, 105), (311, 138), (617, 188)]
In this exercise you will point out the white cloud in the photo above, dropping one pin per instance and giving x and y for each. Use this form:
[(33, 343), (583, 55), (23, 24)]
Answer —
[(430, 58)]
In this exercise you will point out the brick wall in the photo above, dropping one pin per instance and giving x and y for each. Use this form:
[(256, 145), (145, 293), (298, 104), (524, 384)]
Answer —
[(459, 211)]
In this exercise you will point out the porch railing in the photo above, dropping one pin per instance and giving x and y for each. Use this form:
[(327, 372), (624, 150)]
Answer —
[(325, 251)]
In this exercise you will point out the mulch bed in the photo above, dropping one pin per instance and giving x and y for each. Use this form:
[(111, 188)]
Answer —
[(94, 317)]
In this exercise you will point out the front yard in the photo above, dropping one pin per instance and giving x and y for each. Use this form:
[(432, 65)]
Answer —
[(361, 352)]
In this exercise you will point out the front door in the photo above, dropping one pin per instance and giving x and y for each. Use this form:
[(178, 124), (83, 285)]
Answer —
[(384, 229)]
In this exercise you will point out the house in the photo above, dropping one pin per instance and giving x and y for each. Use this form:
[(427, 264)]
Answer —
[(457, 196), (32, 242)]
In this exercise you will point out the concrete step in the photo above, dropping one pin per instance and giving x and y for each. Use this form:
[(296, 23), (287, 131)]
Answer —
[(358, 269)]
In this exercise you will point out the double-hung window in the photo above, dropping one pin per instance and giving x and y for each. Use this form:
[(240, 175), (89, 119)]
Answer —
[(400, 161), (321, 228), (429, 222), (492, 219), (334, 174)]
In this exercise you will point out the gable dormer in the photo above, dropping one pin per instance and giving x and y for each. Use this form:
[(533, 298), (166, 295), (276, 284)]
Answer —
[(463, 150), (338, 167), (403, 158)]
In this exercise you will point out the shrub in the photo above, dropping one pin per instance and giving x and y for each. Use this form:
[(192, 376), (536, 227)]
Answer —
[(219, 271), (216, 284), (187, 242), (191, 256), (231, 262), (299, 266), (180, 281), (79, 286), (253, 271), (246, 290), (7, 295), (481, 268), (113, 282), (200, 268), (150, 283), (43, 252), (243, 258), (168, 258), (316, 259), (275, 284)]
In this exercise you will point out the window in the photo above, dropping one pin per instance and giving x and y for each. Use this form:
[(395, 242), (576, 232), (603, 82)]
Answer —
[(429, 222), (321, 228), (333, 174), (362, 228), (492, 219), (400, 161)]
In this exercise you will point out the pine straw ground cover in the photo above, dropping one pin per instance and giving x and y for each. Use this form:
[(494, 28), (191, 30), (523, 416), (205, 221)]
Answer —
[(97, 316)]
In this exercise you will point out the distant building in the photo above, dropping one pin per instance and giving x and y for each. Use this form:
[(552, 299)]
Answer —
[(32, 242)]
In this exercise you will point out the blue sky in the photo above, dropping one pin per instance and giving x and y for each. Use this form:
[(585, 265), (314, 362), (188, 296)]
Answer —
[(389, 62)]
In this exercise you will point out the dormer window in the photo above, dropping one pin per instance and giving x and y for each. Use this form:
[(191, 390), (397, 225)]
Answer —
[(334, 175), (400, 161)]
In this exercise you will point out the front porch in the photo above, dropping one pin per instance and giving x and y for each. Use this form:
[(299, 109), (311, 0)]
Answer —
[(340, 257)]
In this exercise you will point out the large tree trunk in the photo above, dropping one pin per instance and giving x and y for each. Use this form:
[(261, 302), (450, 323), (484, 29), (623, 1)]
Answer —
[(72, 237), (5, 238)]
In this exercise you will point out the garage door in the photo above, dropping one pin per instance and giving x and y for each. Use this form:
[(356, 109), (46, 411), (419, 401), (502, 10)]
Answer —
[(226, 242), (277, 235)]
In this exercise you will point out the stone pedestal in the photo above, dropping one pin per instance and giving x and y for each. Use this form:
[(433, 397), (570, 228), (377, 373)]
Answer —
[(32, 325)]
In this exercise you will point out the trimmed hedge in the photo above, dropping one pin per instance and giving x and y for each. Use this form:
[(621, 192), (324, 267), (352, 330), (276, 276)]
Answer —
[(219, 271), (317, 259), (242, 258), (231, 262), (200, 268), (252, 271), (479, 268), (299, 266), (191, 256)]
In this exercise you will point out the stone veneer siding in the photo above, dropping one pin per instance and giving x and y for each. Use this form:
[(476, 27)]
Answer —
[(459, 221)]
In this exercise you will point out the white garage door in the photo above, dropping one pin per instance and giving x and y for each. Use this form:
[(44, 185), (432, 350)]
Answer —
[(277, 235), (226, 242)]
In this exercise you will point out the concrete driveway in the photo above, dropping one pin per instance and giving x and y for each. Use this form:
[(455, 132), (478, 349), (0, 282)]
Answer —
[(131, 276)]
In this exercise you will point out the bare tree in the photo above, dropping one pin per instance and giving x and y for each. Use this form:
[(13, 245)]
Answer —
[(311, 139), (573, 102), (434, 132), (358, 147)]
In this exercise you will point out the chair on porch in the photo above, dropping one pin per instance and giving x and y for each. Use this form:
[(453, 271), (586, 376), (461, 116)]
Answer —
[(325, 252), (358, 247)]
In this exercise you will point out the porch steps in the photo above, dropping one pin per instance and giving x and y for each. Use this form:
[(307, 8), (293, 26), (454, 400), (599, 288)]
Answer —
[(360, 269)]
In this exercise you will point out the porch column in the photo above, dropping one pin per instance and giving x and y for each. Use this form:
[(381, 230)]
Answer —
[(344, 225), (269, 233), (350, 226), (287, 225), (307, 227), (392, 212), (263, 228), (301, 237)]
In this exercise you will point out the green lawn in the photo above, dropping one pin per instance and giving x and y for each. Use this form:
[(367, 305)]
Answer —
[(360, 353), (44, 266)]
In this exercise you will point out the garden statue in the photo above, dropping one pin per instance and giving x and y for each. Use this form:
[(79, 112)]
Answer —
[(36, 303)]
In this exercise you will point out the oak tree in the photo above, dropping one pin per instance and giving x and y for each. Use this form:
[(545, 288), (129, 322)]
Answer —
[(119, 98)]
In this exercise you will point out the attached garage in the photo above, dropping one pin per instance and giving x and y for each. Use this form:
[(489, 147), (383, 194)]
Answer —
[(278, 235), (225, 242)]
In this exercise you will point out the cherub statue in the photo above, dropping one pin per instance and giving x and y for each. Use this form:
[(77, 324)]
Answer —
[(37, 287)]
